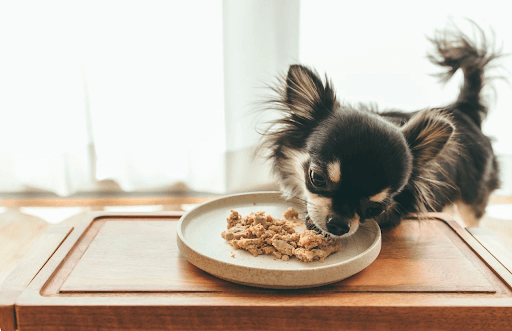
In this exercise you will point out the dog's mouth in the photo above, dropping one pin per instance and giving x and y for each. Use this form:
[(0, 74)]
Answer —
[(310, 225)]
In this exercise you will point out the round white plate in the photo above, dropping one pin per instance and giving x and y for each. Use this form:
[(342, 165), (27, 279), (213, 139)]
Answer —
[(199, 240)]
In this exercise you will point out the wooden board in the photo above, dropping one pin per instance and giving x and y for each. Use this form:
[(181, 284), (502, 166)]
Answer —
[(494, 245), (122, 259), (124, 272), (25, 271)]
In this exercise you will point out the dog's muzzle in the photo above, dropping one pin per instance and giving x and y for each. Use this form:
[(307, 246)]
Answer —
[(337, 226)]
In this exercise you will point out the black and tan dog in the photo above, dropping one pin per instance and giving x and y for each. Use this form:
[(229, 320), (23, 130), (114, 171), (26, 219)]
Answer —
[(353, 163)]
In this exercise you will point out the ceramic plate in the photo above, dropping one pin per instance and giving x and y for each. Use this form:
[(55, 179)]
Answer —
[(199, 240)]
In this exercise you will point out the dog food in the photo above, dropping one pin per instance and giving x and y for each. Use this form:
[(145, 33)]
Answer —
[(258, 234)]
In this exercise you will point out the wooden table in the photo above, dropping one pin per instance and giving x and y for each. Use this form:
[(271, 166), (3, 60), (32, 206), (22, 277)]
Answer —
[(125, 272)]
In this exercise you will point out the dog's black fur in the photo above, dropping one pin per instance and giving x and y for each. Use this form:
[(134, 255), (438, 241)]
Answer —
[(353, 163)]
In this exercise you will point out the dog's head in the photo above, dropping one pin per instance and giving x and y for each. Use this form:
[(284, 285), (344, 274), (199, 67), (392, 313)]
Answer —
[(346, 163)]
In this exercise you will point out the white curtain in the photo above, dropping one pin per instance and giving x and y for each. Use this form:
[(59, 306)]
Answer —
[(159, 94), (151, 94), (43, 136)]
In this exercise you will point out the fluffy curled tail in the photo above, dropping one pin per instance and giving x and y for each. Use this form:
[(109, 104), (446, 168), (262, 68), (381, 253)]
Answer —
[(455, 50)]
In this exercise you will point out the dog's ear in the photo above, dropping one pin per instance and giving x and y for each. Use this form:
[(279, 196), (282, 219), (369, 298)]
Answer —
[(306, 95), (427, 133)]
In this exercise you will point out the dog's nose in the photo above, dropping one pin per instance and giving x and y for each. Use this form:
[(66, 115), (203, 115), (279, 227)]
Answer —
[(337, 227)]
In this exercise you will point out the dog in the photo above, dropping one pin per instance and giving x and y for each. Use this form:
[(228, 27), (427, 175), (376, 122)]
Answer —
[(348, 164)]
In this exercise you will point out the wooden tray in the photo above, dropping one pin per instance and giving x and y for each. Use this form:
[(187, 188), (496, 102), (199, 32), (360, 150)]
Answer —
[(124, 272)]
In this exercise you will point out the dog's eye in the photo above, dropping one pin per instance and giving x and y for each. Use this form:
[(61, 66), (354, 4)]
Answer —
[(316, 179), (373, 211)]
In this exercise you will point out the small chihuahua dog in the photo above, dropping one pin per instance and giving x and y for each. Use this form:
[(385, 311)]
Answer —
[(349, 164)]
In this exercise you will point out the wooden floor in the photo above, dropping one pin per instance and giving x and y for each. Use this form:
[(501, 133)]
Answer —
[(22, 221)]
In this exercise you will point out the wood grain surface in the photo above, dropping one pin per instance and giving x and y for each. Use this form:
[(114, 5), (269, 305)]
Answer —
[(95, 201), (494, 245), (26, 270), (123, 272), (122, 259), (18, 233), (289, 318)]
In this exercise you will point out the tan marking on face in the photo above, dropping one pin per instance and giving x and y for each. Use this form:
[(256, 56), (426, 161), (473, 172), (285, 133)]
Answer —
[(318, 209), (334, 171), (379, 197)]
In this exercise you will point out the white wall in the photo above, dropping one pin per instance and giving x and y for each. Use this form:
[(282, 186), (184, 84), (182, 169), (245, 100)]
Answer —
[(376, 51)]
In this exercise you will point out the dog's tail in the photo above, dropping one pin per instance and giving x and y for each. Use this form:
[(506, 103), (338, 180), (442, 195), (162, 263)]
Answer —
[(455, 50)]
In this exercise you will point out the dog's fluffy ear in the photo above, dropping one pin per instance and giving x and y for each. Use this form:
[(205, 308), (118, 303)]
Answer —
[(306, 95), (427, 133)]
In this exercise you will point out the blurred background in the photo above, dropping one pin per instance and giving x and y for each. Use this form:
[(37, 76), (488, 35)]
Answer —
[(163, 95), (116, 104)]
